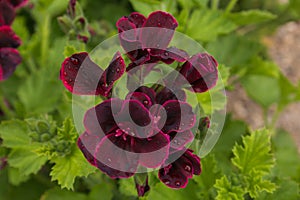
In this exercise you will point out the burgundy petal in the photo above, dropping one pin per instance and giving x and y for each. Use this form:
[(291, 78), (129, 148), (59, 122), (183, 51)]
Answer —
[(80, 75), (173, 54), (114, 159), (100, 119), (137, 19), (18, 3), (176, 175), (141, 97), (167, 94), (9, 59), (153, 151), (115, 69), (180, 116), (135, 112), (8, 38), (160, 36), (87, 143), (148, 91), (172, 177), (180, 139), (201, 72), (7, 13)]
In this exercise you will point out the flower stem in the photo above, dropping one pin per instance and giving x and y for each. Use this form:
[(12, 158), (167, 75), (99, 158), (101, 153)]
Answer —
[(141, 183), (4, 108), (215, 4)]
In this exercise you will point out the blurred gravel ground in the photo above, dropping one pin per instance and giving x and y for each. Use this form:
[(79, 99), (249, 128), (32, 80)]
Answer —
[(284, 49)]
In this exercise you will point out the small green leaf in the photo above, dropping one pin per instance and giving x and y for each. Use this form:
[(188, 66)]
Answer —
[(103, 190), (254, 154), (255, 184), (14, 134), (287, 189), (67, 131), (160, 191), (15, 177), (127, 187), (263, 89), (27, 161), (57, 194), (205, 25), (145, 6), (251, 17), (226, 191), (67, 168), (40, 93)]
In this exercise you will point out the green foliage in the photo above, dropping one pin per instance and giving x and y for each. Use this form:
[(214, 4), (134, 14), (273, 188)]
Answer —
[(215, 24), (251, 17), (67, 168), (226, 191), (254, 154)]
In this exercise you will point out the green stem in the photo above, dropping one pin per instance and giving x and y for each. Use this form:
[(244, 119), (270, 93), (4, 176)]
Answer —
[(230, 6), (45, 39), (215, 4), (3, 107)]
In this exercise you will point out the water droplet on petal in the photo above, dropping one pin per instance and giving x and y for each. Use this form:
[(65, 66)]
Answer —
[(177, 183), (118, 70), (109, 160), (167, 182), (146, 102), (74, 61), (188, 168)]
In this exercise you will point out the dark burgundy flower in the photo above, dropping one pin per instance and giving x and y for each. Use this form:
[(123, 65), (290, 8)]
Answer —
[(8, 38), (123, 134), (200, 71), (176, 174), (80, 75), (7, 13), (146, 40), (118, 138), (9, 59)]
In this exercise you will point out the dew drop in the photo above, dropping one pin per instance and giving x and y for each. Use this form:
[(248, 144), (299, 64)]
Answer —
[(146, 102), (177, 183), (158, 24), (166, 54), (188, 168), (109, 160), (132, 169), (74, 61), (65, 73), (167, 182), (118, 70)]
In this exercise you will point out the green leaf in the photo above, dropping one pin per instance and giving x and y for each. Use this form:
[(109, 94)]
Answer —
[(264, 90), (251, 17), (160, 191), (67, 131), (286, 155), (57, 194), (234, 50), (232, 132), (226, 191), (40, 92), (210, 172), (255, 184), (15, 177), (146, 6), (287, 189), (67, 168), (127, 187), (254, 154), (27, 161), (206, 25), (103, 190), (14, 134)]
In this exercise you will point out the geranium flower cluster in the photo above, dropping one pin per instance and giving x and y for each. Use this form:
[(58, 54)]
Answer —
[(9, 41), (152, 126)]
